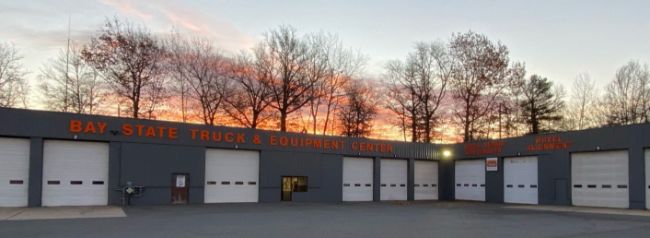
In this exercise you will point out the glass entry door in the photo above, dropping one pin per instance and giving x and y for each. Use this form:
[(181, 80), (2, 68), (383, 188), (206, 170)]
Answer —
[(291, 184)]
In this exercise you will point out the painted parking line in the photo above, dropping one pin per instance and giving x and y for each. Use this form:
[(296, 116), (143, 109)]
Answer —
[(607, 211), (48, 213)]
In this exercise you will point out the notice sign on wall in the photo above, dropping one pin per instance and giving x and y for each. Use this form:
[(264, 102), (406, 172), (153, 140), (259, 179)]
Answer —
[(492, 164), (180, 181)]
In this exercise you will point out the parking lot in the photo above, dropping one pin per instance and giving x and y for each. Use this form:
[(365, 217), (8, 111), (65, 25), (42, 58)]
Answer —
[(405, 219)]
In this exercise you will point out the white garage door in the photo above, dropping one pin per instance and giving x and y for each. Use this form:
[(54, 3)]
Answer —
[(600, 179), (470, 180), (426, 180), (393, 179), (520, 180), (357, 179), (231, 176), (647, 179), (14, 172), (75, 173)]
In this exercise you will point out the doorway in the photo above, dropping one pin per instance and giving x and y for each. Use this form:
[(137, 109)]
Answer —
[(291, 184), (180, 188)]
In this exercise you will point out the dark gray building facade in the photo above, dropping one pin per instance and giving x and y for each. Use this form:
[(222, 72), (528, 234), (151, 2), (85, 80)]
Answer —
[(146, 153), (171, 162)]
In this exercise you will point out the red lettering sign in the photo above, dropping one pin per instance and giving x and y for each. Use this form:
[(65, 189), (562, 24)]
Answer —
[(225, 136), (485, 148), (550, 142)]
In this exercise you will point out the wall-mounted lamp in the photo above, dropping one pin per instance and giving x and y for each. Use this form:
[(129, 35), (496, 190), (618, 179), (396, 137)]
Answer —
[(446, 154)]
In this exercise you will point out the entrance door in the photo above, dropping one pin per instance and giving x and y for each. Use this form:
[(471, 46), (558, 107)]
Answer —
[(180, 188), (291, 184)]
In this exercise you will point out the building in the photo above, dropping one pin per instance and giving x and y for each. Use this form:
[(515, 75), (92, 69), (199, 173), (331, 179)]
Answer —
[(63, 159)]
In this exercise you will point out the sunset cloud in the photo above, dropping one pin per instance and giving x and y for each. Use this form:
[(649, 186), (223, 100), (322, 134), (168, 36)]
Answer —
[(172, 14), (127, 7)]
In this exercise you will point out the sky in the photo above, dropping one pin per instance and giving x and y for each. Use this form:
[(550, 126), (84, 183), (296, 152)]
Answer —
[(555, 39)]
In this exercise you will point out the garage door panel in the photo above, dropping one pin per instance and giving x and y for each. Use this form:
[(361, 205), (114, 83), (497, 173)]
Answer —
[(75, 173), (520, 180), (600, 179), (425, 180), (470, 180), (231, 176), (357, 179), (393, 179), (14, 172)]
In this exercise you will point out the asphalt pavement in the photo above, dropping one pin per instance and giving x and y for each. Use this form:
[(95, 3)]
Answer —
[(314, 220)]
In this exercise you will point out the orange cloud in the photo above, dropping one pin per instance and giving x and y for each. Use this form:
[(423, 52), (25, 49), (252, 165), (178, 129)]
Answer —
[(165, 13), (127, 7)]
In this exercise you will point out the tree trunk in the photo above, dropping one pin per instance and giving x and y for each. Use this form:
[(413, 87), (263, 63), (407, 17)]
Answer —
[(414, 130), (136, 109), (535, 124), (283, 120)]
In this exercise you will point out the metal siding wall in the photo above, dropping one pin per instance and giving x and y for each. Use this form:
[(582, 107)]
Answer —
[(637, 178), (114, 186), (376, 173), (332, 170), (410, 191), (554, 171), (446, 179), (29, 123), (152, 166), (494, 184), (35, 172), (324, 174)]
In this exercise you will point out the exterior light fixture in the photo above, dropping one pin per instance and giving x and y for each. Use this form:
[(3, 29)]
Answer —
[(446, 154)]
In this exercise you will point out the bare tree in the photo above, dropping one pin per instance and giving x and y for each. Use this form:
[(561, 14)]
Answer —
[(175, 46), (583, 94), (582, 109), (132, 61), (508, 118), (540, 103), (284, 56), (402, 98), (481, 76), (317, 71), (357, 113), (344, 65), (627, 97), (417, 87), (206, 72), (330, 68), (69, 84), (248, 105), (13, 87)]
